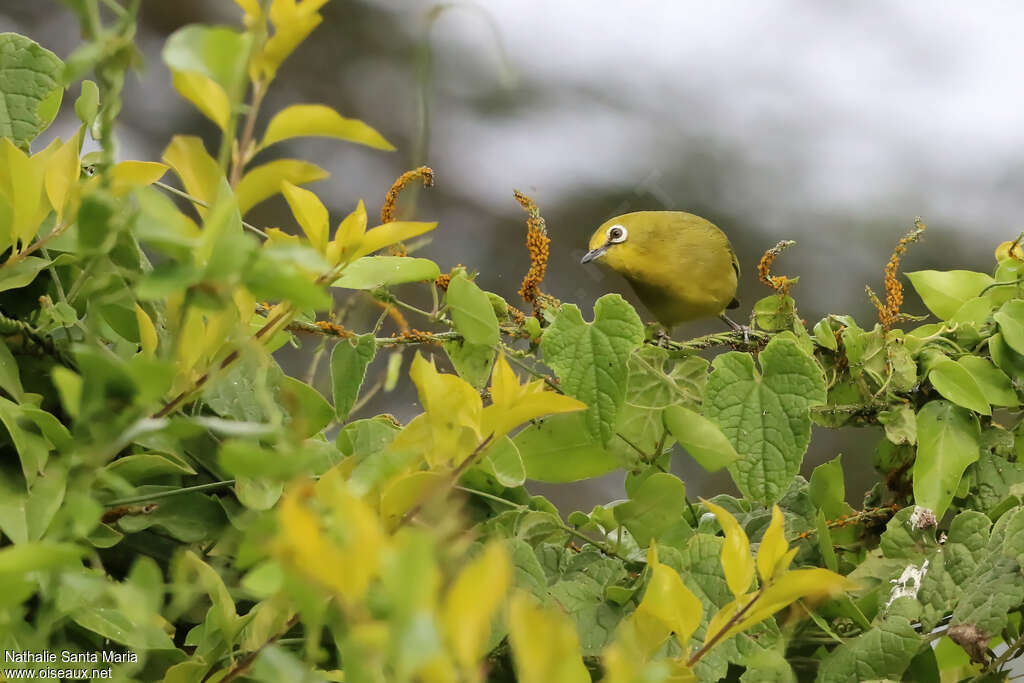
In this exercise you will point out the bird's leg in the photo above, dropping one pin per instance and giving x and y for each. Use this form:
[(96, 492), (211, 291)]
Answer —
[(736, 327)]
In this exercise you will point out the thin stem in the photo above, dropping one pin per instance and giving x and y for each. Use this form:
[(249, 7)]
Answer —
[(565, 527), (245, 662), (212, 486), (206, 205), (725, 629), (114, 7), (246, 143), (453, 478), (38, 244), (1011, 650)]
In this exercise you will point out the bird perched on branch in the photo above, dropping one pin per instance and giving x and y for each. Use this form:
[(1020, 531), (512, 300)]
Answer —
[(680, 265)]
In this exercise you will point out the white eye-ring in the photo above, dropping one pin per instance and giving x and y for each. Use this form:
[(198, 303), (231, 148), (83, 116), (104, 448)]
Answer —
[(617, 233)]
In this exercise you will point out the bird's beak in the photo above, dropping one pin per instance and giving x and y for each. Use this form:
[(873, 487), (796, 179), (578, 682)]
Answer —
[(594, 254)]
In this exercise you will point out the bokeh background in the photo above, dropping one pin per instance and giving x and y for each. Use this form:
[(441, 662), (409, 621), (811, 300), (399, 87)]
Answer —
[(833, 124)]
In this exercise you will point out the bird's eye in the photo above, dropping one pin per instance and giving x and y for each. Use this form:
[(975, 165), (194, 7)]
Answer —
[(617, 234)]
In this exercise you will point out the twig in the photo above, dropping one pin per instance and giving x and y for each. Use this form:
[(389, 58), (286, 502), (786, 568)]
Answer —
[(206, 205), (725, 629), (199, 488), (245, 662)]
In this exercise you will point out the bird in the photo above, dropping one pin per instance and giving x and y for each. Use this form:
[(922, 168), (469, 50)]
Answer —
[(680, 265)]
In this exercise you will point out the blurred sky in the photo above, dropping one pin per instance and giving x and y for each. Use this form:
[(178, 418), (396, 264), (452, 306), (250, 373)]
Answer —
[(833, 124)]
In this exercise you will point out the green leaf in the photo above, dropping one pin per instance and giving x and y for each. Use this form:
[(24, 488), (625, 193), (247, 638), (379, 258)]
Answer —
[(774, 313), (701, 438), (989, 595), (994, 383), (472, 313), (10, 380), (142, 467), (944, 292), (349, 361), (583, 599), (900, 424), (883, 653), (361, 438), (955, 383), (473, 362), (827, 488), (305, 120), (288, 272), (655, 505), (824, 335), (948, 439), (560, 449), (30, 88), (765, 415), (88, 103), (1005, 358), (116, 625), (371, 272), (21, 273), (216, 52), (504, 462), (307, 410), (38, 556), (1011, 323), (591, 359)]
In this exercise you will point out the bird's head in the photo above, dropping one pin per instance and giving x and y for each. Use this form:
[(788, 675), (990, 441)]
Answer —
[(615, 241)]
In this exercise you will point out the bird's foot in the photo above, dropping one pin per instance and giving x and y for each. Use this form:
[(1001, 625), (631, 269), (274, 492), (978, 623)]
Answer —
[(736, 327)]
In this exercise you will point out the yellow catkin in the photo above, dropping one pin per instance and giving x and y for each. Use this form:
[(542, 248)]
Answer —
[(538, 244), (780, 283), (387, 212), (889, 312)]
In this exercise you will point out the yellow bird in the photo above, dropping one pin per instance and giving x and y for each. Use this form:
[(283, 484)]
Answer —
[(680, 265)]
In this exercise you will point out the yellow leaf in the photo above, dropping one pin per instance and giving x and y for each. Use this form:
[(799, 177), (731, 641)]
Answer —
[(62, 172), (815, 584), (284, 11), (279, 236), (471, 604), (737, 563), (669, 600), (317, 120), (453, 411), (25, 192), (310, 213), (253, 12), (388, 234), (406, 492), (198, 171), (264, 181), (245, 303), (347, 236), (129, 175), (190, 341), (545, 645), (288, 34), (444, 393), (773, 548), (512, 404), (206, 94), (1010, 250), (331, 537), (147, 332)]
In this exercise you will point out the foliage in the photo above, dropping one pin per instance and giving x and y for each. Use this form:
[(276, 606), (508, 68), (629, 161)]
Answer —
[(174, 499)]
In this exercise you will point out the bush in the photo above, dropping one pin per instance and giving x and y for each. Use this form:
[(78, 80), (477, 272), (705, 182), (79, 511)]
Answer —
[(175, 507)]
